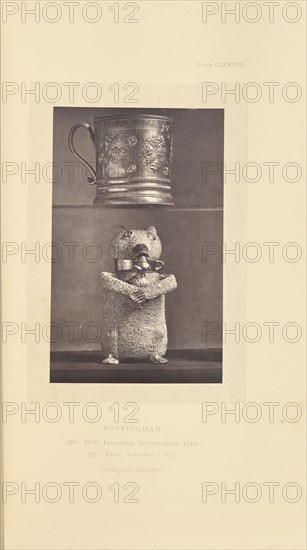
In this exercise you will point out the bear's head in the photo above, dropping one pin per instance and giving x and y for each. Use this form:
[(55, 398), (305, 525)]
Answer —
[(131, 244)]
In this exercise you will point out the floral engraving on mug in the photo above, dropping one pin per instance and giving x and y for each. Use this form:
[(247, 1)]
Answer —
[(114, 155), (154, 153), (131, 168)]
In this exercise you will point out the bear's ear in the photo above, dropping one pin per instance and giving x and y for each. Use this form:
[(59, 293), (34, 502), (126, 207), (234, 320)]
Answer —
[(152, 230), (118, 229)]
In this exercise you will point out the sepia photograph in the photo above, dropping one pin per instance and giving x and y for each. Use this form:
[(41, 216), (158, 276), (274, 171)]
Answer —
[(153, 275), (137, 219)]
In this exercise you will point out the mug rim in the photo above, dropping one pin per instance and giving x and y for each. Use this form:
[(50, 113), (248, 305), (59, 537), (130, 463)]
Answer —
[(125, 117)]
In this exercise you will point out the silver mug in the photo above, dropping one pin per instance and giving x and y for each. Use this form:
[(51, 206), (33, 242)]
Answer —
[(133, 159)]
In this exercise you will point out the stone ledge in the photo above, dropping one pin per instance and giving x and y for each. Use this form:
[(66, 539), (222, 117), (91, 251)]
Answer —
[(184, 367)]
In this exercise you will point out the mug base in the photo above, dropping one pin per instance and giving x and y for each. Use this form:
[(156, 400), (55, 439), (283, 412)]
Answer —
[(133, 201), (148, 193)]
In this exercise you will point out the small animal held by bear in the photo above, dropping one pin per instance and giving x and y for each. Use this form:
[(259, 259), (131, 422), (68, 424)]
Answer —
[(134, 324)]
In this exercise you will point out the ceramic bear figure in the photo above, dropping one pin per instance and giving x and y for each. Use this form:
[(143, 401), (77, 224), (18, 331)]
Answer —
[(133, 324)]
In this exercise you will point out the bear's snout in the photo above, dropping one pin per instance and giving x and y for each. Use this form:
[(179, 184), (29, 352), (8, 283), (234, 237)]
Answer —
[(140, 250), (132, 244)]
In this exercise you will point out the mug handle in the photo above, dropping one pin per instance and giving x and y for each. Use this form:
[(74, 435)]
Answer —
[(92, 180)]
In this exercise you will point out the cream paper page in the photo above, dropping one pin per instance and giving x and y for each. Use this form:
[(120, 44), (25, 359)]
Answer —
[(93, 465)]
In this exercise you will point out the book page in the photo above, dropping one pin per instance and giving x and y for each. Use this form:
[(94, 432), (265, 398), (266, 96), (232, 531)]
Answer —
[(153, 275)]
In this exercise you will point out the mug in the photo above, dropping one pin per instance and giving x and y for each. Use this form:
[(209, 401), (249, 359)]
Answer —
[(133, 159)]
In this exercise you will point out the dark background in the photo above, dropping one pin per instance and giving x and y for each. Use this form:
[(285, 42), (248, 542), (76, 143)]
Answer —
[(197, 217)]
